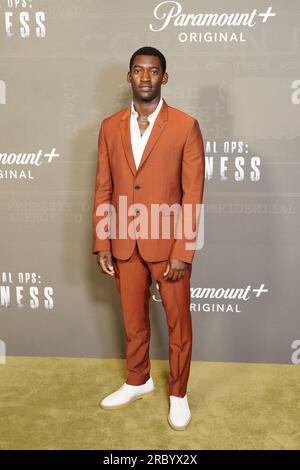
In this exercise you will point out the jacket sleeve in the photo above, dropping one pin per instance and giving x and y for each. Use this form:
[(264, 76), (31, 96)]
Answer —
[(103, 193), (192, 185)]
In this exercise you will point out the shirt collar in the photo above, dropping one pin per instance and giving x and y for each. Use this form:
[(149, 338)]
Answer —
[(151, 116)]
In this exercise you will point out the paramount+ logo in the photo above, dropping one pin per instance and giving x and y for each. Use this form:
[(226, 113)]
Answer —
[(201, 27)]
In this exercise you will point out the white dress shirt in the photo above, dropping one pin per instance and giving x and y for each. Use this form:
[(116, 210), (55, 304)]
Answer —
[(139, 142)]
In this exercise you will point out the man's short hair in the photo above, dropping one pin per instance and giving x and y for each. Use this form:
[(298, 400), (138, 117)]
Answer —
[(147, 50)]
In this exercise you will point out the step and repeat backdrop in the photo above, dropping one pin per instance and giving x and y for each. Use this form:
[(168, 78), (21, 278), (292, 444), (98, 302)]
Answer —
[(234, 65)]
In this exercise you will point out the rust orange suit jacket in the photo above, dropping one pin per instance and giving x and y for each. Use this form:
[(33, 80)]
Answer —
[(172, 170)]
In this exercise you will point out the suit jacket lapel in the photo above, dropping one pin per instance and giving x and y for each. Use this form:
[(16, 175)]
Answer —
[(159, 125), (126, 140)]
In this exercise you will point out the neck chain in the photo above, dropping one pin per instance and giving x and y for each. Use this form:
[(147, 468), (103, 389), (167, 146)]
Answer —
[(142, 119)]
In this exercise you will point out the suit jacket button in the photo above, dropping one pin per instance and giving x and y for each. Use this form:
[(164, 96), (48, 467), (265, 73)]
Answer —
[(137, 186)]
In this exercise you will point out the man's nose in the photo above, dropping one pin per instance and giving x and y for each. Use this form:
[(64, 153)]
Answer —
[(145, 76)]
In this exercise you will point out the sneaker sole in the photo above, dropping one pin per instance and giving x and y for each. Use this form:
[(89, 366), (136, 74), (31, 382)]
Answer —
[(145, 395), (179, 428)]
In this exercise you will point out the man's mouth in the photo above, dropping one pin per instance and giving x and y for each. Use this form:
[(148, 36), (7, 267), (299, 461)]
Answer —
[(145, 87)]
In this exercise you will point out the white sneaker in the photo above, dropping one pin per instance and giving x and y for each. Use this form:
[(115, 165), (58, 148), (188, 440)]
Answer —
[(180, 415), (126, 394)]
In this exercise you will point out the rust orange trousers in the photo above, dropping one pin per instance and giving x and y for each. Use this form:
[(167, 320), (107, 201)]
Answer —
[(133, 279)]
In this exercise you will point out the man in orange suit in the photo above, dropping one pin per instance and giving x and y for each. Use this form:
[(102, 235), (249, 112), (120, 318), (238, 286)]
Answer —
[(150, 176)]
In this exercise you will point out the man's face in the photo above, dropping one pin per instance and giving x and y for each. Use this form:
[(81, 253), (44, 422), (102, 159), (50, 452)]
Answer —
[(146, 77)]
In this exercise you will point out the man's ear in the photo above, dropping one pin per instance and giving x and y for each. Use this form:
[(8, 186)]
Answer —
[(128, 78), (165, 78)]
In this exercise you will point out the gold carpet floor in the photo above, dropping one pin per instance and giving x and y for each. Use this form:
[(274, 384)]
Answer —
[(52, 403)]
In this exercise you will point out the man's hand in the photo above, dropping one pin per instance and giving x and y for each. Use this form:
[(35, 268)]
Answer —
[(175, 269), (104, 260)]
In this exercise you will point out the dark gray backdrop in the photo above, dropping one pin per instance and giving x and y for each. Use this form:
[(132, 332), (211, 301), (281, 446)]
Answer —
[(54, 92)]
